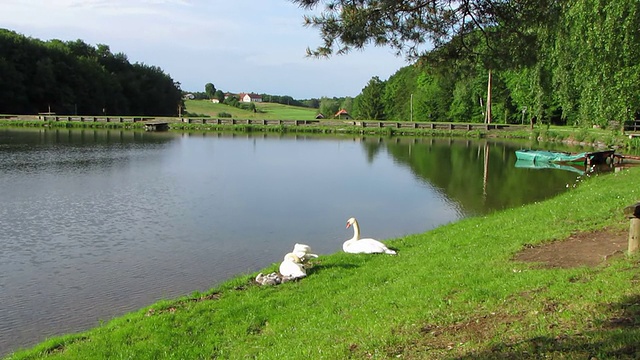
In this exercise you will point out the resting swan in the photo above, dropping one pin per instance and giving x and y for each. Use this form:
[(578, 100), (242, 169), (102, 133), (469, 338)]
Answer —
[(363, 246), (291, 267), (303, 252)]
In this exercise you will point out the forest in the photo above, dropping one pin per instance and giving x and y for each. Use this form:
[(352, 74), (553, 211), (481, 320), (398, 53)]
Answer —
[(79, 79), (577, 64)]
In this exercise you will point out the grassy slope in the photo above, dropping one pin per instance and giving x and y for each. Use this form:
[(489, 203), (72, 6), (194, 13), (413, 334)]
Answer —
[(267, 111), (451, 292)]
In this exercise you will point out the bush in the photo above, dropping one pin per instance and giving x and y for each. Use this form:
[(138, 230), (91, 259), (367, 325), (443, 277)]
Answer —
[(224, 115)]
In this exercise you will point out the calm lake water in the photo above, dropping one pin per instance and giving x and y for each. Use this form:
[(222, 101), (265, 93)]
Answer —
[(94, 224)]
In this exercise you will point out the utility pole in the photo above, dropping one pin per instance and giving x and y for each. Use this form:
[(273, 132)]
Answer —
[(487, 118), (411, 102)]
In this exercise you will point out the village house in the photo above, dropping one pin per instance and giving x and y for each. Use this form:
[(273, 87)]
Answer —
[(249, 97), (342, 114)]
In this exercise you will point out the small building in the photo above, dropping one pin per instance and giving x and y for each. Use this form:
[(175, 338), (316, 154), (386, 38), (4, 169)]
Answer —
[(319, 116), (342, 114), (215, 101), (249, 97), (189, 96)]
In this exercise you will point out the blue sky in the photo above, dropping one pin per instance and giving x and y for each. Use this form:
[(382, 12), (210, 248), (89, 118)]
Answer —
[(239, 46)]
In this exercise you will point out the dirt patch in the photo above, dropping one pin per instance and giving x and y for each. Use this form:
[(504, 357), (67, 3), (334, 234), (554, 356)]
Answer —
[(580, 249)]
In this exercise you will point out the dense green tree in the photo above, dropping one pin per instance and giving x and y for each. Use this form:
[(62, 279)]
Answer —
[(397, 93), (231, 100), (281, 99), (431, 100), (13, 93), (598, 55), (575, 61), (347, 104), (369, 104), (219, 95), (76, 78), (329, 106), (311, 103), (210, 90)]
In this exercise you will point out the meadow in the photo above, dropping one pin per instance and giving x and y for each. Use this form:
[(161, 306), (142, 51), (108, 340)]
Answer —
[(457, 291), (267, 111)]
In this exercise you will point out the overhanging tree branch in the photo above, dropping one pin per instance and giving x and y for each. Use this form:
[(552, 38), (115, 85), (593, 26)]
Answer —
[(415, 27)]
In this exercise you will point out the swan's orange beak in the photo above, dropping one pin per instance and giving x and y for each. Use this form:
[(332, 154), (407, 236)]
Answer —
[(348, 225)]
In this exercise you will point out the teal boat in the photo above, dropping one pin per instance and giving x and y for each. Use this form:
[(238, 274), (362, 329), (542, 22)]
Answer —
[(550, 156), (587, 158)]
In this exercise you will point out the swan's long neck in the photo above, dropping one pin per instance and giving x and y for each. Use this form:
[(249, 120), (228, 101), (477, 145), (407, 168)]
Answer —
[(292, 257), (356, 231)]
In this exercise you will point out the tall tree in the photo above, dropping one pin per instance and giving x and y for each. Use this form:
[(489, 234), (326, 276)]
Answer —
[(369, 104), (210, 89)]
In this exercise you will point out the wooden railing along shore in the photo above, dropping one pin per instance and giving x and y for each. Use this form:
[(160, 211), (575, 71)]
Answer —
[(264, 122)]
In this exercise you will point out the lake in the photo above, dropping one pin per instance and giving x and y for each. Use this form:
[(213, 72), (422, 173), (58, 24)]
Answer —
[(98, 223)]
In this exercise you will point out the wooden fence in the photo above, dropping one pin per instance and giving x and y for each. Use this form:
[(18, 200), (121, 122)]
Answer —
[(233, 121), (93, 118), (358, 123)]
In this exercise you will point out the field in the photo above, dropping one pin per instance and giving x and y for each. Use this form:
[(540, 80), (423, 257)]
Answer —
[(267, 111)]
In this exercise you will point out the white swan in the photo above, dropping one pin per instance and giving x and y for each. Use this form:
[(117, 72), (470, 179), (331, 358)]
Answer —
[(303, 252), (363, 246), (291, 267)]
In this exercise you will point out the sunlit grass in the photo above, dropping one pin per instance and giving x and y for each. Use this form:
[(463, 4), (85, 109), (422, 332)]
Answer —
[(267, 111)]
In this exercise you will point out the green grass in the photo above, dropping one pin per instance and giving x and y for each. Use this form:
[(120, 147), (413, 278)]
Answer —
[(453, 292), (266, 111)]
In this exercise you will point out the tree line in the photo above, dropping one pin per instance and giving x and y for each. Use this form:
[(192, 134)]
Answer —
[(569, 62), (73, 77)]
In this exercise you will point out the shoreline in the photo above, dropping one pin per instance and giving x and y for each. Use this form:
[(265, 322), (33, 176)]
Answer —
[(571, 136)]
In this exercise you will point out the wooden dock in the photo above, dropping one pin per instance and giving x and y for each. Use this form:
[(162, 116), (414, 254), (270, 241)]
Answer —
[(118, 119), (602, 157), (155, 125)]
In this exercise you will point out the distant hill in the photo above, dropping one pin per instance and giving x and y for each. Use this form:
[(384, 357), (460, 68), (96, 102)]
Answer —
[(267, 111)]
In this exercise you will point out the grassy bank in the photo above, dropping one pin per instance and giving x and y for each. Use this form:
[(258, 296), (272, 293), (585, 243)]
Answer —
[(265, 110), (453, 292)]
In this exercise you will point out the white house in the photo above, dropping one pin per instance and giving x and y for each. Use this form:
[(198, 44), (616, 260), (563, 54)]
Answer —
[(244, 97)]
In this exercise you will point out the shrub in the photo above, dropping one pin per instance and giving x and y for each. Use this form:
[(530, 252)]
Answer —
[(224, 115)]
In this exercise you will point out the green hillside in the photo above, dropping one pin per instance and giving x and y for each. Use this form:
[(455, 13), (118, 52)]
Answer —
[(267, 111)]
